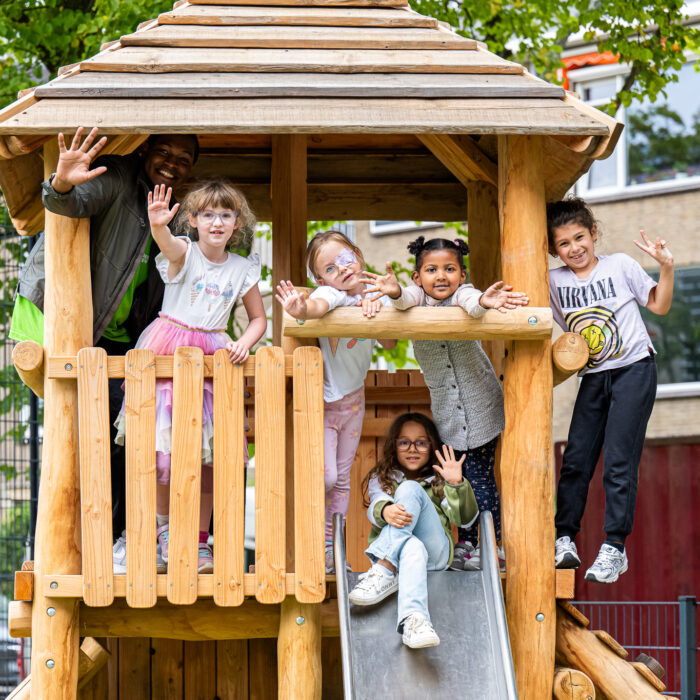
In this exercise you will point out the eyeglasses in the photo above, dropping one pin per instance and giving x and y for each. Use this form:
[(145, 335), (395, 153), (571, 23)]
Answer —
[(209, 217), (344, 259), (404, 445)]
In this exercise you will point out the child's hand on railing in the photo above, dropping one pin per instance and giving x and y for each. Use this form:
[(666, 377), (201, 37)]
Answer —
[(237, 352), (500, 296), (449, 469), (370, 307)]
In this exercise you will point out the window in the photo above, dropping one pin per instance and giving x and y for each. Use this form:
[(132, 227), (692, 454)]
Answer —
[(382, 228), (660, 146)]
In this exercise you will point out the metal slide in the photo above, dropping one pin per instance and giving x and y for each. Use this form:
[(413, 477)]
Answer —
[(473, 660)]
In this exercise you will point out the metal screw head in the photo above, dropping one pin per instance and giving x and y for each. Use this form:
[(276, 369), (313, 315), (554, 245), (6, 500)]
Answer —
[(539, 617), (301, 620), (50, 663), (532, 320), (50, 611), (68, 366), (53, 585)]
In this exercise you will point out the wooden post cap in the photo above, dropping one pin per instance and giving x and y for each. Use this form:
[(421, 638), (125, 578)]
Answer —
[(570, 352), (572, 684), (28, 359)]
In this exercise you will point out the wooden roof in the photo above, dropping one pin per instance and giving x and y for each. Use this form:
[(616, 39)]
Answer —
[(227, 67)]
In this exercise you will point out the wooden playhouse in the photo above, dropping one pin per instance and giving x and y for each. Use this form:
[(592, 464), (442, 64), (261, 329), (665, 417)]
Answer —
[(333, 109)]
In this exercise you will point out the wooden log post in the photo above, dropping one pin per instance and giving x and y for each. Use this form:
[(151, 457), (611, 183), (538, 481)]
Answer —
[(527, 470), (67, 328), (28, 359), (569, 355), (571, 684)]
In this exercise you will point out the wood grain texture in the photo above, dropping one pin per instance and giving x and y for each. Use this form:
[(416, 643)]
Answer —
[(269, 475), (295, 16), (526, 457), (95, 476), (229, 480), (298, 38), (28, 359), (423, 323), (200, 670), (134, 669), (462, 157), (309, 490), (232, 669), (262, 669), (140, 449), (289, 197), (570, 684), (299, 651), (167, 668), (580, 648), (570, 353), (185, 474), (307, 3), (24, 585), (612, 643)]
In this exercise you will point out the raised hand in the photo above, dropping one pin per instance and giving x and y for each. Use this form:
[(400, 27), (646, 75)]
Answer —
[(237, 352), (292, 301), (159, 212), (502, 297), (657, 249), (395, 514), (74, 162), (449, 468), (382, 284)]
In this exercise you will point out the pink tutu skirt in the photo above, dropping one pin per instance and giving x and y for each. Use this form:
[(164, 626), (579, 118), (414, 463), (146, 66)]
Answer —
[(164, 336)]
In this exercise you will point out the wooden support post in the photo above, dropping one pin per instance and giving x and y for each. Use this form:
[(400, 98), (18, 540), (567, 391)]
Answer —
[(288, 189), (299, 651), (570, 684), (527, 470), (67, 328), (28, 359), (569, 355)]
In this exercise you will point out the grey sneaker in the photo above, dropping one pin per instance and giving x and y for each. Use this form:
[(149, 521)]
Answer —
[(608, 565), (418, 633), (373, 586), (119, 554), (330, 561), (463, 553), (565, 554)]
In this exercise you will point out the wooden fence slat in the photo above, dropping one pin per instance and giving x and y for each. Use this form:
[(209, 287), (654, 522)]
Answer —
[(270, 533), (134, 672), (167, 669), (309, 490), (95, 476), (229, 481), (232, 669), (200, 670), (185, 474), (140, 412)]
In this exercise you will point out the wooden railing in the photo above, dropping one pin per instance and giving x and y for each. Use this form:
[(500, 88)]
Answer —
[(229, 584)]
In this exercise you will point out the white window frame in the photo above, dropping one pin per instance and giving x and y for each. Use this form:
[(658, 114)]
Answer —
[(621, 190), (376, 229)]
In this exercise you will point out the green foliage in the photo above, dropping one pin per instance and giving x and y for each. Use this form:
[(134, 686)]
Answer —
[(14, 529), (650, 36)]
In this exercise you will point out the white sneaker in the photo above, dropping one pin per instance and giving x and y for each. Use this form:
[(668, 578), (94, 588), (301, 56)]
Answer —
[(418, 632), (373, 586), (119, 554), (608, 565), (463, 553), (565, 554), (473, 561)]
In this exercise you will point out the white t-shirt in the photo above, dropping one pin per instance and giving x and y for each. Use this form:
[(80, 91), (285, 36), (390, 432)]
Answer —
[(202, 293), (345, 360), (603, 308)]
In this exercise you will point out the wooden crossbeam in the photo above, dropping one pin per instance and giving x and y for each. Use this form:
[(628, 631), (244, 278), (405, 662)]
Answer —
[(462, 157), (307, 3)]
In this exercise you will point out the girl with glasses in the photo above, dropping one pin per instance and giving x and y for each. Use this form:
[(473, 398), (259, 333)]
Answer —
[(413, 494)]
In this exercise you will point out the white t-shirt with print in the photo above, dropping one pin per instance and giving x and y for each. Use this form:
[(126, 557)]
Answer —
[(202, 293), (345, 360), (604, 309)]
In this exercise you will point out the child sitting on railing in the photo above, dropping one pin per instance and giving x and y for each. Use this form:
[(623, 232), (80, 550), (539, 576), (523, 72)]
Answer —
[(411, 503), (203, 280), (466, 398), (338, 266)]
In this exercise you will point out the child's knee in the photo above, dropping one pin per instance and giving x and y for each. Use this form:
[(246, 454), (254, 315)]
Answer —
[(330, 479), (407, 488), (413, 551), (162, 467)]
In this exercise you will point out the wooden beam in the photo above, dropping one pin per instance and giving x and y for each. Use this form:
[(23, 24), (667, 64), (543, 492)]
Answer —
[(24, 585), (299, 651), (307, 3), (526, 455), (67, 328), (28, 359), (289, 196), (571, 684), (426, 324), (462, 157), (570, 353)]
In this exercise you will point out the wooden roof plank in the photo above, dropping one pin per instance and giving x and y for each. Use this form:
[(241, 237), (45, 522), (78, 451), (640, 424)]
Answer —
[(136, 59), (295, 16), (436, 85), (318, 115), (306, 3), (298, 38)]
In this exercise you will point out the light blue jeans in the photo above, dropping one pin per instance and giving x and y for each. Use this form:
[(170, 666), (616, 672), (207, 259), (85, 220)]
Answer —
[(413, 549)]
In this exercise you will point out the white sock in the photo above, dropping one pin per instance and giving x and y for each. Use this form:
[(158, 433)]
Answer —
[(383, 570), (162, 519)]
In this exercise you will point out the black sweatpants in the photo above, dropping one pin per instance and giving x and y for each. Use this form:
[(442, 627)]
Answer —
[(611, 413)]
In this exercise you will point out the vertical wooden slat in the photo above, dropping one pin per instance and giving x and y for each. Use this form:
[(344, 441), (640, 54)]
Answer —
[(134, 668), (112, 645), (95, 477), (309, 491), (527, 472), (262, 668), (332, 668), (185, 474), (229, 477), (269, 475), (167, 669), (232, 669), (140, 413), (200, 670)]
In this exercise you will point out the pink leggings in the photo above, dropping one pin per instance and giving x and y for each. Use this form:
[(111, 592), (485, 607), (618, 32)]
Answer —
[(163, 472), (342, 427)]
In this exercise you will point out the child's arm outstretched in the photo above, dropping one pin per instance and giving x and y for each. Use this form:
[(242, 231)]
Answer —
[(297, 305), (160, 215), (239, 350), (661, 295)]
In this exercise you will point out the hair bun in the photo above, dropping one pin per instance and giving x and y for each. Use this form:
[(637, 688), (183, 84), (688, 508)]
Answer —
[(415, 247), (461, 246)]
